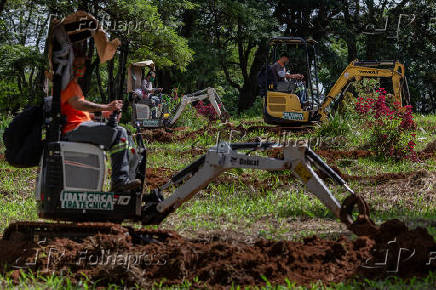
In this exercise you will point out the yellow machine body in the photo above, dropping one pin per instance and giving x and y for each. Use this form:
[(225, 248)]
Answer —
[(285, 106)]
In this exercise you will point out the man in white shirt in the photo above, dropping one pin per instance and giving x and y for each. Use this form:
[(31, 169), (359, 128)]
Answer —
[(147, 84)]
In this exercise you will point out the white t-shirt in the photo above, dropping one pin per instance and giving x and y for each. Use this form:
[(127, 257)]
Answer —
[(147, 86)]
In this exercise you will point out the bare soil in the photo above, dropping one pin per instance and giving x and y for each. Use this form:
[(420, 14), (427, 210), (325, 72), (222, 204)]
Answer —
[(430, 148), (179, 134), (147, 256), (156, 177)]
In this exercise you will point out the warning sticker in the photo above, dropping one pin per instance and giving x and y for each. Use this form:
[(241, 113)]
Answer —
[(87, 200), (303, 172)]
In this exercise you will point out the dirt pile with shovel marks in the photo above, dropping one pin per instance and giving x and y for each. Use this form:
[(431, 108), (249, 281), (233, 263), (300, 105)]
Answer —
[(144, 257)]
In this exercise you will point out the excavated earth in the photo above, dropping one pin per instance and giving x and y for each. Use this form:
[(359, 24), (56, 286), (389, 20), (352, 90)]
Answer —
[(143, 257)]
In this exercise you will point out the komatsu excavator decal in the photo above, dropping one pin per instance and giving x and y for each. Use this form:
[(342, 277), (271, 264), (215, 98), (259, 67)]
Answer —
[(368, 72), (87, 200)]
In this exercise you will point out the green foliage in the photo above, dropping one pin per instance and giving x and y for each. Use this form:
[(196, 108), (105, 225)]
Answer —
[(362, 89), (18, 64), (149, 37), (387, 139), (191, 119), (255, 110), (4, 123), (336, 126)]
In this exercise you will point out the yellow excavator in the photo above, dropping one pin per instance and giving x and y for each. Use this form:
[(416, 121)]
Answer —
[(357, 70), (300, 102)]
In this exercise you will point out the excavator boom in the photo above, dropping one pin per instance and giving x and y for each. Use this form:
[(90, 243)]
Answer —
[(296, 157), (357, 70), (209, 94)]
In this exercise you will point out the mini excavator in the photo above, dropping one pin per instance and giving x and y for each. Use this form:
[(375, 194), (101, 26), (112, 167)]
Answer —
[(153, 112), (70, 188), (284, 107)]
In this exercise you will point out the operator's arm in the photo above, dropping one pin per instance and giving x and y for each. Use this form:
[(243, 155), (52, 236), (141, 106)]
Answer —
[(294, 76), (84, 105)]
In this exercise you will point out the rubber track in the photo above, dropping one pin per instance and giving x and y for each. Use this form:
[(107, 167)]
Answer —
[(36, 231)]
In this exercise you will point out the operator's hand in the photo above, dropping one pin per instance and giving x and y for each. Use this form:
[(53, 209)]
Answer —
[(116, 105), (296, 76), (107, 114)]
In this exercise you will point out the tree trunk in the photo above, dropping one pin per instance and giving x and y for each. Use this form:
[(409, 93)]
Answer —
[(100, 87), (110, 81), (121, 75), (2, 5), (351, 47), (249, 91), (164, 80)]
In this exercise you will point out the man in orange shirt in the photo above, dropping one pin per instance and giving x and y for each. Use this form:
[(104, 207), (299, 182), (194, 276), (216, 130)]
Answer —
[(80, 128)]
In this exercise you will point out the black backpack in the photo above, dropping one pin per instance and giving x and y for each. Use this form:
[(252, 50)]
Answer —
[(264, 79), (23, 138)]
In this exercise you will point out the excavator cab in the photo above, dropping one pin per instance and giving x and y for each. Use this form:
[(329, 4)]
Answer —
[(292, 102), (153, 110), (148, 110)]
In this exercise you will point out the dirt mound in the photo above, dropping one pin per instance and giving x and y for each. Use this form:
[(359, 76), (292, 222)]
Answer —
[(400, 251), (430, 148), (158, 135), (168, 256), (147, 256)]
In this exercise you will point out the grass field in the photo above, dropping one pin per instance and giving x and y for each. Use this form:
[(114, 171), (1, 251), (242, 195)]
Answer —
[(246, 204)]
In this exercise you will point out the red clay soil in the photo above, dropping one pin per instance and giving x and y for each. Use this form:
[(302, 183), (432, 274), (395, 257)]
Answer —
[(430, 148), (158, 135), (400, 252), (166, 136), (428, 152), (156, 177), (170, 257)]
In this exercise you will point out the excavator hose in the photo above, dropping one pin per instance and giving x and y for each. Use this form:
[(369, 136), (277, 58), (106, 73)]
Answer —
[(363, 225)]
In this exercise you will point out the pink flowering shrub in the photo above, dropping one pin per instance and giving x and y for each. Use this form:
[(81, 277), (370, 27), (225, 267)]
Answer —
[(392, 127), (207, 110)]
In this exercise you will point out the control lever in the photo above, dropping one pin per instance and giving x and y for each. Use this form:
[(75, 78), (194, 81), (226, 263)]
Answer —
[(113, 119)]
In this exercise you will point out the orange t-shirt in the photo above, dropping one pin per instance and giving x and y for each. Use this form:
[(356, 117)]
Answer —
[(74, 117)]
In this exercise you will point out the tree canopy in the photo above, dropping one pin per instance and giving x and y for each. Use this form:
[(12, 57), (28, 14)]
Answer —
[(219, 43)]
